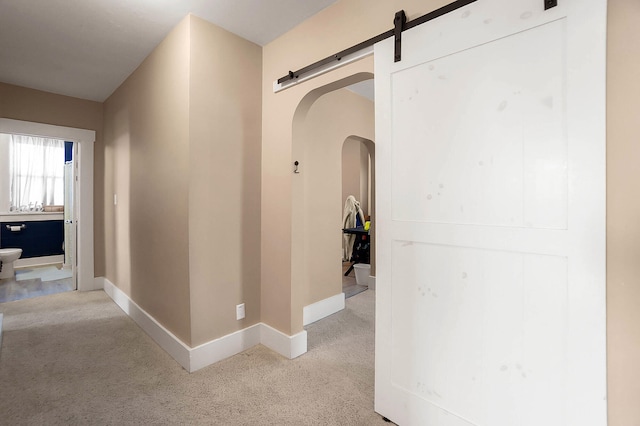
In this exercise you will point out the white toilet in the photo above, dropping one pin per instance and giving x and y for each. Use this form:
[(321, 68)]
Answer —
[(7, 257)]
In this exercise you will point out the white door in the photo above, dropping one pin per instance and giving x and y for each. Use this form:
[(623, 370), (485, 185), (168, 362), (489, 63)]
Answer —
[(490, 138), (70, 227)]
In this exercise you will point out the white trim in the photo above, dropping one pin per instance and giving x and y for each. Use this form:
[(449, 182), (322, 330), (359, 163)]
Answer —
[(224, 347), (28, 128), (84, 200), (193, 359), (99, 283), (38, 261), (372, 282), (356, 56), (84, 218), (322, 309), (30, 217), (163, 337), (287, 346)]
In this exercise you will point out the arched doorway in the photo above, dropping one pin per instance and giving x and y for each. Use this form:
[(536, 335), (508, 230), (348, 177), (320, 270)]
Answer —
[(358, 181), (358, 177), (324, 119)]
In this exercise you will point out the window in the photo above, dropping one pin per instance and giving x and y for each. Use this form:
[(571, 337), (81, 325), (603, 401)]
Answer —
[(36, 168)]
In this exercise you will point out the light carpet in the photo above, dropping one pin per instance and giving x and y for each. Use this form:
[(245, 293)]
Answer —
[(77, 359)]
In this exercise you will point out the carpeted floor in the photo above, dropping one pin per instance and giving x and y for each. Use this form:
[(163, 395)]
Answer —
[(77, 359)]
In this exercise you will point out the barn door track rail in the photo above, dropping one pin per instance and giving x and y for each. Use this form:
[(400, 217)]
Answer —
[(400, 25)]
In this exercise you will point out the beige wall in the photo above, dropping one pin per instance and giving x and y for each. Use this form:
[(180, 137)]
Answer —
[(322, 35), (147, 165), (365, 175), (144, 161), (224, 189), (355, 172), (183, 157), (331, 119), (351, 169), (24, 104), (623, 212)]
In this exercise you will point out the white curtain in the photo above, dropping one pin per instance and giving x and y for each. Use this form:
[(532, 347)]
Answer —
[(37, 172)]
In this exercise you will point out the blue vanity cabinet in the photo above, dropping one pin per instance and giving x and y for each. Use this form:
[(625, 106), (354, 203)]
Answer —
[(38, 238)]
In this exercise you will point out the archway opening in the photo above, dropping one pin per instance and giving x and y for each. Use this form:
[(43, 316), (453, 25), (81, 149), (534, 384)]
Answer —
[(358, 181), (324, 119)]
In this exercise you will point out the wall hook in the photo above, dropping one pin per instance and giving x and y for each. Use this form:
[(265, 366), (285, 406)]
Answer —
[(296, 169)]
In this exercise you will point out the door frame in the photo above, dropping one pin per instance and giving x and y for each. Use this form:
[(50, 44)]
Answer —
[(84, 189)]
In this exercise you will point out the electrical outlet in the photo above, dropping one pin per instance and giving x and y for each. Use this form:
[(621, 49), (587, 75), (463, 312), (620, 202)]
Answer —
[(240, 311)]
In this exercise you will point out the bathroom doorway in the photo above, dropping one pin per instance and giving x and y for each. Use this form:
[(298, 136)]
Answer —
[(37, 215), (79, 206)]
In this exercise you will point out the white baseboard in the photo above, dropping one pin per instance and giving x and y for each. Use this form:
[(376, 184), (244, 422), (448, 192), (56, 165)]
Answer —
[(372, 282), (224, 347), (163, 337), (38, 261), (324, 308), (98, 283), (193, 359), (287, 346)]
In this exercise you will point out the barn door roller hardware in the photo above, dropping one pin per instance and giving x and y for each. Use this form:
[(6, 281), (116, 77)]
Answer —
[(400, 25)]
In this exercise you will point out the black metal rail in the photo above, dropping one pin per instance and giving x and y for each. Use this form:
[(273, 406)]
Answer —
[(400, 25)]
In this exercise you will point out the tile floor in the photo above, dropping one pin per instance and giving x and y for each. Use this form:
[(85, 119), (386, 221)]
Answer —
[(11, 290)]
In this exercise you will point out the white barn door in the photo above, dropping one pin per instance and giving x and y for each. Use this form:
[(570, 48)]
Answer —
[(490, 138)]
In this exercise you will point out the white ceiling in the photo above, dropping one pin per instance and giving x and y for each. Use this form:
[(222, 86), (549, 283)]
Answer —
[(87, 48)]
